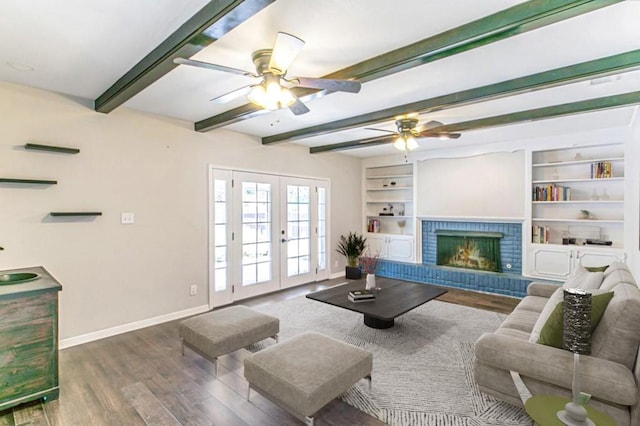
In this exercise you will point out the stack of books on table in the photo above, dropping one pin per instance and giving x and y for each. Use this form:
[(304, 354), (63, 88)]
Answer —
[(357, 296)]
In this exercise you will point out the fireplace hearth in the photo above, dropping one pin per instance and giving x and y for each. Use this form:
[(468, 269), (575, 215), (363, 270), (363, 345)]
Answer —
[(469, 250)]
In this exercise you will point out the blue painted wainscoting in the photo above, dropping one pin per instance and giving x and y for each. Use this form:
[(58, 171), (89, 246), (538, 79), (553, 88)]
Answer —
[(509, 282)]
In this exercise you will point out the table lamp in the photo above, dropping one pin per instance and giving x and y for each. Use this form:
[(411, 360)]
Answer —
[(576, 328)]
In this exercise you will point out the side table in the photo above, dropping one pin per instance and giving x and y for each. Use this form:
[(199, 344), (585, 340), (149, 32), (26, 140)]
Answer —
[(543, 408)]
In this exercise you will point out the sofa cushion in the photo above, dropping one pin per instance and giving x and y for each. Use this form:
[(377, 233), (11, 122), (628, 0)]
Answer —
[(532, 303), (553, 301), (596, 268), (521, 319), (552, 332), (615, 277), (583, 279), (617, 336)]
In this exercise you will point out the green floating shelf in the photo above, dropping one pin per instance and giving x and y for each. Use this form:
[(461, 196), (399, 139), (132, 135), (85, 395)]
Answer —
[(51, 148), (31, 181), (76, 213)]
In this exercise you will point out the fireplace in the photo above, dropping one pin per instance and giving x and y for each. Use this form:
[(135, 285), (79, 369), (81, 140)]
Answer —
[(469, 249)]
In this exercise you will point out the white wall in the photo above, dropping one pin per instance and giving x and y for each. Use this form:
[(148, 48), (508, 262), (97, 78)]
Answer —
[(486, 185), (115, 274)]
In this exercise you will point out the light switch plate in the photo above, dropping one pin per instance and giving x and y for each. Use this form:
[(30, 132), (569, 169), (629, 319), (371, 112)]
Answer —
[(127, 218)]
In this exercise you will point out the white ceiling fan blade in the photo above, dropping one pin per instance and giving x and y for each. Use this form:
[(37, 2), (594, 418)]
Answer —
[(285, 49), (298, 107), (215, 67), (350, 86), (380, 130), (440, 135), (428, 125), (227, 97)]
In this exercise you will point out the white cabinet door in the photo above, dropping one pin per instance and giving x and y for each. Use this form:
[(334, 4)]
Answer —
[(377, 244), (550, 262), (400, 248), (392, 247), (595, 257)]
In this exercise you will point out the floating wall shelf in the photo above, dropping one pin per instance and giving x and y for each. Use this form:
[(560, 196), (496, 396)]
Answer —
[(51, 148), (76, 213), (31, 181)]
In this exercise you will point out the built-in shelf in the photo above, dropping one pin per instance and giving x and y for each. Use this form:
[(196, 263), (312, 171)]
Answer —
[(584, 221), (76, 213), (571, 162), (391, 217), (388, 201), (391, 188), (30, 181), (409, 175), (581, 202), (51, 148), (590, 180)]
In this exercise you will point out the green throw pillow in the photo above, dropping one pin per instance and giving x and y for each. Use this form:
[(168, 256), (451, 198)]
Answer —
[(551, 333), (596, 268)]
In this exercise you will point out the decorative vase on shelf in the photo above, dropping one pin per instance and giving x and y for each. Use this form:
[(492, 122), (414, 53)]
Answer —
[(370, 282)]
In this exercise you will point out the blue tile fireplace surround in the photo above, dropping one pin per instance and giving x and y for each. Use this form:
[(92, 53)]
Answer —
[(508, 282)]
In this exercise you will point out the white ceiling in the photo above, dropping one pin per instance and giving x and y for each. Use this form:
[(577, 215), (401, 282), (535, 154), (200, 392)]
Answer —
[(80, 48)]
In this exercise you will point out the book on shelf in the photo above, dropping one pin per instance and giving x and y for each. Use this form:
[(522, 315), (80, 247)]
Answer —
[(601, 170), (359, 300), (373, 225), (540, 234), (551, 193)]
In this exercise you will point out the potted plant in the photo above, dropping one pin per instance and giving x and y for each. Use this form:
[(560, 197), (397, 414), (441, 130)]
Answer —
[(352, 247)]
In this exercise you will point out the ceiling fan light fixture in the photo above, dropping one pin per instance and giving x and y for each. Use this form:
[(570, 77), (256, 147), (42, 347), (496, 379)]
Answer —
[(270, 95), (411, 143), (400, 144), (286, 48)]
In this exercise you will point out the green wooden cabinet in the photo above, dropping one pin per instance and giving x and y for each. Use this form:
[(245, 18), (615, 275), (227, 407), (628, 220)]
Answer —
[(29, 340)]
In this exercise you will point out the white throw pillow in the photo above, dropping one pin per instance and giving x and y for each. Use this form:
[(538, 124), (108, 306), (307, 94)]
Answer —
[(556, 297), (583, 279)]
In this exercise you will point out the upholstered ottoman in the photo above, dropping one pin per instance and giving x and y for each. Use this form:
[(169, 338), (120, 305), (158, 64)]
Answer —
[(226, 330), (306, 372)]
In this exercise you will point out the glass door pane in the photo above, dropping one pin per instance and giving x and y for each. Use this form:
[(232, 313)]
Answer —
[(220, 290), (322, 229), (301, 248), (256, 200)]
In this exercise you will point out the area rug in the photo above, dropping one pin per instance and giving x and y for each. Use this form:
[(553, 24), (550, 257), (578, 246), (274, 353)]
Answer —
[(422, 367)]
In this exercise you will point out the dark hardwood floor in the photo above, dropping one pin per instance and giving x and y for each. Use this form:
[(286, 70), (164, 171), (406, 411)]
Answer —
[(140, 378)]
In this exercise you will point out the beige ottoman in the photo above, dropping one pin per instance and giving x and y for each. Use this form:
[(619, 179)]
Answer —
[(306, 372), (226, 330)]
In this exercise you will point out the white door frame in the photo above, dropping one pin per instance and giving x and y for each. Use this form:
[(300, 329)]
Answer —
[(219, 298)]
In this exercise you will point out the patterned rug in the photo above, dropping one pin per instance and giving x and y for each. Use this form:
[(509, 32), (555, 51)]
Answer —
[(422, 367)]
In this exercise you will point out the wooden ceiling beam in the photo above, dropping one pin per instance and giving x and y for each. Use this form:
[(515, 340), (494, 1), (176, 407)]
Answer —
[(622, 62), (580, 107), (515, 20), (210, 23)]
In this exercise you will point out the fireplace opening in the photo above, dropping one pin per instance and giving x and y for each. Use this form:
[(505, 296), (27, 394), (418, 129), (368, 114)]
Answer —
[(469, 250)]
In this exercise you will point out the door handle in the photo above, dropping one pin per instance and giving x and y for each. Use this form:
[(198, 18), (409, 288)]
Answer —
[(284, 240)]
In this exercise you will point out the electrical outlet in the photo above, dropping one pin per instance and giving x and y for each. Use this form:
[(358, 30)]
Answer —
[(193, 290), (127, 218)]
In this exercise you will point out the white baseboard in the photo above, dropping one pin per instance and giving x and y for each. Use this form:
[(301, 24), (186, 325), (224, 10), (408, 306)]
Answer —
[(336, 275), (113, 331)]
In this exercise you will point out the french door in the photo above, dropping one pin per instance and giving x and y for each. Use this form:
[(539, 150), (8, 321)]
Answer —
[(266, 231)]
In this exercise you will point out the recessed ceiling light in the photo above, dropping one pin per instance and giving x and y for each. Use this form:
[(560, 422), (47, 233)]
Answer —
[(20, 67)]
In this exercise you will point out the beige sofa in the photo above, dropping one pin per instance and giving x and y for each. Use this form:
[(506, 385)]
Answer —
[(611, 374)]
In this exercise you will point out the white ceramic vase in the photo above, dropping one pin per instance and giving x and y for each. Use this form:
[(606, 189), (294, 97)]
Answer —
[(370, 282)]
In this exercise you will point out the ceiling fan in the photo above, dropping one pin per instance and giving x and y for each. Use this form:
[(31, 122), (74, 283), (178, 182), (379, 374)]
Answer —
[(272, 92), (409, 131)]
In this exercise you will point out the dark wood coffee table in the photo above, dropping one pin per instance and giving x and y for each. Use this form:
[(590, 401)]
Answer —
[(395, 298)]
